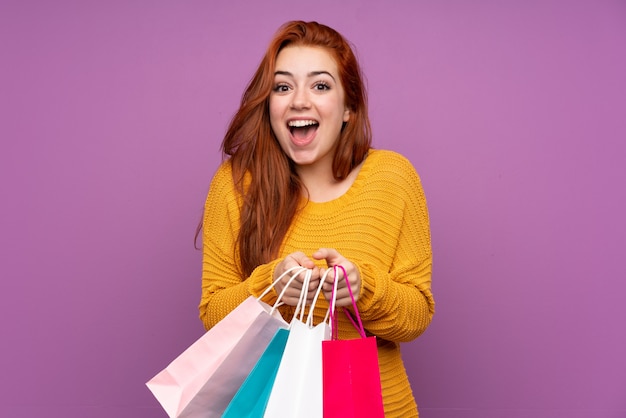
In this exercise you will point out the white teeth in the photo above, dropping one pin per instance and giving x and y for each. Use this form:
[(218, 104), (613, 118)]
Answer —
[(301, 123)]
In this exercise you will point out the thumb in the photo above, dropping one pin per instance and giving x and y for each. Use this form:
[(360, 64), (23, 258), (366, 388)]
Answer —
[(331, 256)]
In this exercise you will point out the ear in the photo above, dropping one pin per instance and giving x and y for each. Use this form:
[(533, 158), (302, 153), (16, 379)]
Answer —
[(346, 115)]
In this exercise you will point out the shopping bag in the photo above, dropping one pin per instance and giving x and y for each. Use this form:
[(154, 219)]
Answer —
[(251, 398), (351, 376), (297, 389), (202, 380)]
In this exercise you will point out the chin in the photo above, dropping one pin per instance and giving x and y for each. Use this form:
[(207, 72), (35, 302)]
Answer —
[(302, 161)]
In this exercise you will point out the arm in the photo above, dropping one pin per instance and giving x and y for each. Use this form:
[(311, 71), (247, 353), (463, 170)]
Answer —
[(393, 293), (398, 304), (223, 287)]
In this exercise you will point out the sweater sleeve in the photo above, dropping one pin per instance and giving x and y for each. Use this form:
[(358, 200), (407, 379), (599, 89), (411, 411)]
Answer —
[(223, 287), (398, 304)]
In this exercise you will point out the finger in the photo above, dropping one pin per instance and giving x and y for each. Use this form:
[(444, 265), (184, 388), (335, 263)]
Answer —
[(331, 255), (280, 272), (302, 260), (316, 273), (290, 300), (298, 283), (314, 283), (292, 296), (329, 279), (342, 291), (294, 286), (343, 302)]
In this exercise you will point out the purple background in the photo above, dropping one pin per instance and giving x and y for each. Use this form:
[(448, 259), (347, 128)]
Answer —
[(514, 113)]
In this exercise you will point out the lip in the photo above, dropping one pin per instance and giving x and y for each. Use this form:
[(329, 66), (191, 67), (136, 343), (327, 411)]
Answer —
[(302, 142), (300, 118)]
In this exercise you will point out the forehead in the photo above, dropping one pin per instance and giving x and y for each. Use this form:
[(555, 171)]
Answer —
[(298, 59)]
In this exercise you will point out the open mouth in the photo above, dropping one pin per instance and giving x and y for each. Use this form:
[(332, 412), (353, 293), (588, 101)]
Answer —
[(302, 130)]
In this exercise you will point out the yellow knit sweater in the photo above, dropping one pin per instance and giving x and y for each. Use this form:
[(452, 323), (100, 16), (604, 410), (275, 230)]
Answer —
[(380, 224)]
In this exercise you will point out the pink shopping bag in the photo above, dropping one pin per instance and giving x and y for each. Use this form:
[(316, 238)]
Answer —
[(202, 380), (351, 376)]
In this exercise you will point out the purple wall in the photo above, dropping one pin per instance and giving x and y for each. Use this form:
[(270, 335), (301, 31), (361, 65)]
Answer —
[(514, 113)]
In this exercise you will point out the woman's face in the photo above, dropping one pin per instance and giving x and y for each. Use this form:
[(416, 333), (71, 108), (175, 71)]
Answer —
[(307, 105)]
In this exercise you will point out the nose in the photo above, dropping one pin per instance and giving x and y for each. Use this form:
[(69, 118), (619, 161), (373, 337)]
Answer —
[(300, 99)]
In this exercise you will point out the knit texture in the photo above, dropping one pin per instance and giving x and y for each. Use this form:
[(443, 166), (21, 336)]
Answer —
[(380, 224)]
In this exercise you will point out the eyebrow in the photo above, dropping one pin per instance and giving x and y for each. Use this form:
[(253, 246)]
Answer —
[(311, 74)]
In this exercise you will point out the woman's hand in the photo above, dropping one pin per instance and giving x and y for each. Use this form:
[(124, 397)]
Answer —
[(333, 258), (292, 294)]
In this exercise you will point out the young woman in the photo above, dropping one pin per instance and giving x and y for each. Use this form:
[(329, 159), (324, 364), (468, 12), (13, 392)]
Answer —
[(302, 186)]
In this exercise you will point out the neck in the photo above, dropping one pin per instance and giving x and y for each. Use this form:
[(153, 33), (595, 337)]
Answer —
[(321, 185), (317, 179)]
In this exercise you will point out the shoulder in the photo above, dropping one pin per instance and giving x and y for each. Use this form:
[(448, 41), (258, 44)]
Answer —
[(224, 173), (222, 184), (393, 179), (222, 201), (391, 176), (391, 165)]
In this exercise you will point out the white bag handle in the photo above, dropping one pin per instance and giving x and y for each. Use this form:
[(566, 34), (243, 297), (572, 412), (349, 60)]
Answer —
[(301, 306), (297, 270), (309, 319)]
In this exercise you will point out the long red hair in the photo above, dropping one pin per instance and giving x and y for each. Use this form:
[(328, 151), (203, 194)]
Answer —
[(271, 198)]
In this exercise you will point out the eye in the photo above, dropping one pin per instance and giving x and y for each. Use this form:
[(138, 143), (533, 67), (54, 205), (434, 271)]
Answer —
[(321, 86), (281, 88)]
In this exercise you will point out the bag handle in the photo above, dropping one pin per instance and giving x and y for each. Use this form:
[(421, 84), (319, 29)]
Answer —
[(296, 271), (333, 316), (303, 294), (309, 319)]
